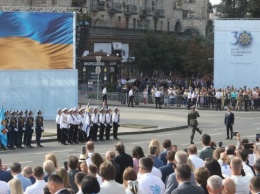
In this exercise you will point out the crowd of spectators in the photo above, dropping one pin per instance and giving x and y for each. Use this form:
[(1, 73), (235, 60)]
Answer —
[(190, 90), (212, 170)]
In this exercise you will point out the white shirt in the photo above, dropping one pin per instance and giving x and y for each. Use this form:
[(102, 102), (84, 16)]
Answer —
[(102, 118), (94, 118), (111, 187), (115, 117), (108, 118), (130, 93), (88, 160), (70, 119), (155, 171), (64, 121), (36, 188), (77, 119), (197, 161), (242, 184), (151, 184), (157, 93), (218, 95), (4, 187), (104, 91), (58, 119)]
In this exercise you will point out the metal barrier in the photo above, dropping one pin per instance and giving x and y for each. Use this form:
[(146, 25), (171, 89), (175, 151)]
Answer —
[(179, 101)]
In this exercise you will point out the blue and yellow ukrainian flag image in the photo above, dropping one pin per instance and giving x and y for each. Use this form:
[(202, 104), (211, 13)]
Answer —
[(32, 40)]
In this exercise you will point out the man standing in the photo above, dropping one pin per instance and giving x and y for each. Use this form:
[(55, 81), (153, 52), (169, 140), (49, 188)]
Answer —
[(192, 121), (229, 122), (131, 97), (29, 129), (104, 96), (102, 121), (116, 121), (218, 99), (58, 116), (157, 98), (21, 129), (56, 186), (207, 151), (39, 128), (64, 126), (108, 123), (214, 184), (198, 162)]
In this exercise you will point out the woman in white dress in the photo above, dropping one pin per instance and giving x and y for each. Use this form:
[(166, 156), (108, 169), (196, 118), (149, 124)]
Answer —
[(130, 183)]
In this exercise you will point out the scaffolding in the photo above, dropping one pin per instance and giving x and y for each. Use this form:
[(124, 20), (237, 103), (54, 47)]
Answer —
[(44, 9)]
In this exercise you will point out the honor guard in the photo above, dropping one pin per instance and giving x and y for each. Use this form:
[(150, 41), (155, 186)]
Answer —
[(116, 122), (87, 124), (58, 125), (21, 129), (5, 124), (192, 121), (25, 119), (102, 120), (39, 128), (108, 123), (64, 126), (77, 128), (81, 135), (12, 132), (29, 130), (71, 125), (95, 122)]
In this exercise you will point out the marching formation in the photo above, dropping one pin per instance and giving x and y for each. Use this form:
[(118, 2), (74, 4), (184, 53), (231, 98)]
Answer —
[(79, 125), (19, 128)]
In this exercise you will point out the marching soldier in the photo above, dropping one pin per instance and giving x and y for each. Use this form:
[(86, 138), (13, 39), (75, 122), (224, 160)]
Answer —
[(102, 120), (64, 126), (192, 121), (108, 123), (71, 126), (12, 132), (58, 125), (116, 121), (95, 124), (21, 129), (29, 130), (39, 128)]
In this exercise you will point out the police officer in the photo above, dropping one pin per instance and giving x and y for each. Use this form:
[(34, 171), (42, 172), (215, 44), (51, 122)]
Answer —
[(29, 130), (39, 128), (192, 121), (21, 129)]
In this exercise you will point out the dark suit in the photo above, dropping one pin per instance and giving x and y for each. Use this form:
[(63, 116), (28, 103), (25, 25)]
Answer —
[(63, 191), (117, 167), (229, 122), (172, 184), (166, 170), (157, 163), (124, 160), (72, 174), (5, 175), (206, 152), (188, 188), (162, 156)]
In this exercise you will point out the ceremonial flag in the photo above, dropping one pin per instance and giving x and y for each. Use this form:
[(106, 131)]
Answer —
[(3, 130)]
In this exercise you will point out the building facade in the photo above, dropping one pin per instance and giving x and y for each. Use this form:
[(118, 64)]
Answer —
[(160, 15)]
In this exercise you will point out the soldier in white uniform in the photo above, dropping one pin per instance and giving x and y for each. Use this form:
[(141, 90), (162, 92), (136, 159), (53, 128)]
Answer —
[(108, 123), (58, 116), (102, 121), (64, 126), (71, 125), (116, 122), (95, 124), (77, 122), (87, 124), (81, 134)]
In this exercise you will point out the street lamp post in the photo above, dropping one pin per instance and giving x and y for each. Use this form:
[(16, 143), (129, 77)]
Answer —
[(98, 70)]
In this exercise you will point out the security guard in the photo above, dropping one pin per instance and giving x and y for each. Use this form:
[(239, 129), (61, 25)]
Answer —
[(39, 128), (192, 121), (29, 130)]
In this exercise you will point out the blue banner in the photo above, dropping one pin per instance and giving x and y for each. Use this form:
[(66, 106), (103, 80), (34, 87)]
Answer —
[(3, 131)]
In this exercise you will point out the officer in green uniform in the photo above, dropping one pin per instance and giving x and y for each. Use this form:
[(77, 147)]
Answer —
[(192, 121)]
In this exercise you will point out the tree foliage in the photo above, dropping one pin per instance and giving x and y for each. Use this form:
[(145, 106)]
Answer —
[(239, 9), (164, 53)]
